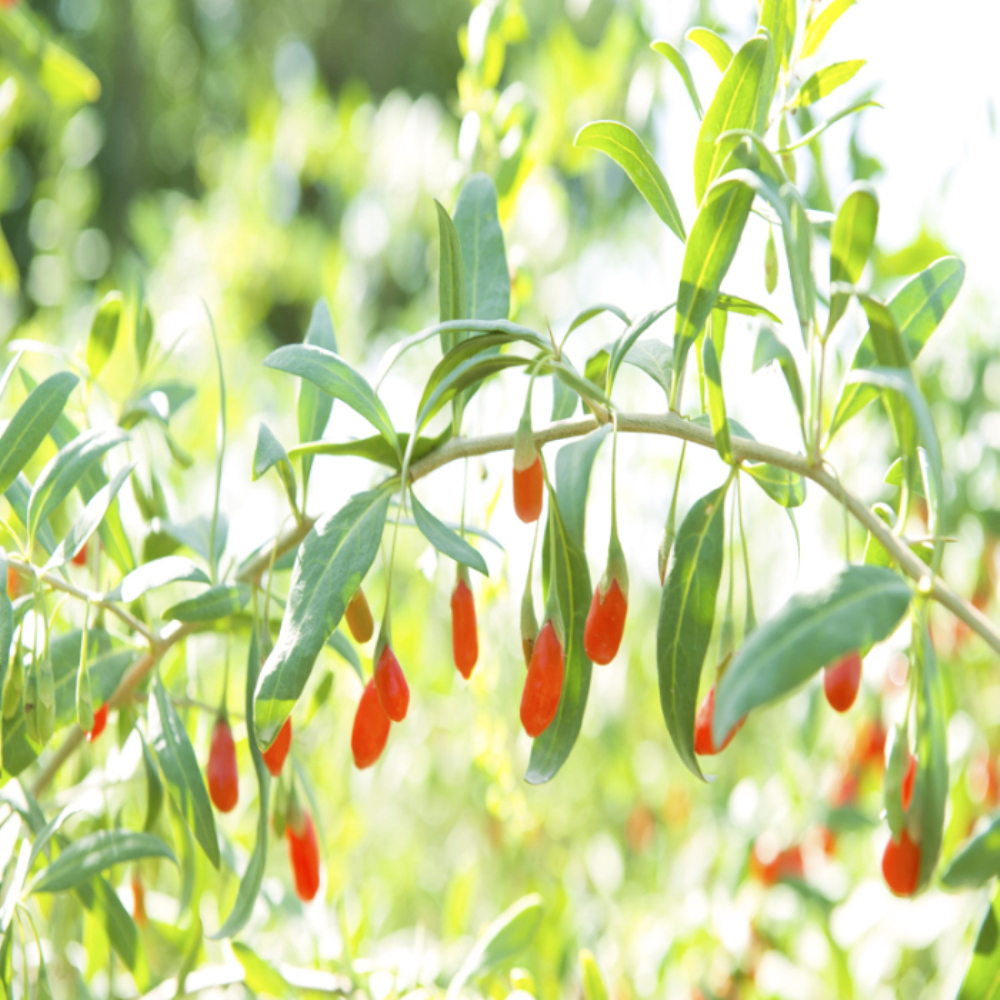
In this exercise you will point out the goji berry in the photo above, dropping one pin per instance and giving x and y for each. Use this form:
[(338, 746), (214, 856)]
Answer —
[(393, 691), (704, 742), (303, 853), (901, 865), (543, 685), (274, 756), (223, 775), (842, 680), (359, 617), (100, 721), (464, 634), (371, 728), (13, 583), (80, 559), (529, 488), (138, 900), (602, 635)]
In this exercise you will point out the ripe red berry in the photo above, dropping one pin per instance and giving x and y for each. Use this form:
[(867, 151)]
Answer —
[(602, 635), (303, 853), (274, 756), (80, 559), (783, 865), (223, 774), (842, 680), (704, 743), (371, 728), (464, 635), (100, 721), (543, 685), (869, 746), (13, 583), (359, 617), (393, 691), (529, 488), (901, 865), (138, 900), (906, 788)]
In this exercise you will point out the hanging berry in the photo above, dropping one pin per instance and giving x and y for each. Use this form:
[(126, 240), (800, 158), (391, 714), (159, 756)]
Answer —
[(13, 583), (390, 683), (544, 683), (222, 772), (901, 865), (704, 742), (138, 900), (303, 851), (100, 721), (80, 559), (274, 756), (842, 680), (529, 477), (359, 617), (371, 728), (464, 634)]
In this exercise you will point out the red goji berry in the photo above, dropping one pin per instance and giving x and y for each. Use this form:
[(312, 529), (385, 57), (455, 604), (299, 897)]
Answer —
[(371, 728), (529, 489), (303, 853), (138, 900), (13, 583), (704, 743), (901, 865), (602, 635), (100, 721), (464, 634), (80, 559), (223, 774), (393, 691), (274, 756), (359, 617), (543, 685), (842, 680)]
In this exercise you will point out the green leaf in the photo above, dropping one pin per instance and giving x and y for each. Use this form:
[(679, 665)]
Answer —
[(779, 18), (627, 150), (976, 862), (687, 612), (220, 601), (341, 645), (860, 606), (253, 874), (593, 982), (716, 401), (825, 81), (89, 520), (158, 403), (179, 764), (451, 280), (336, 378), (31, 424), (65, 470), (769, 349), (917, 308), (314, 407), (627, 341), (259, 976), (501, 942), (95, 853), (574, 463), (154, 574), (717, 47), (331, 563), (142, 334), (445, 540), (735, 304), (850, 244), (487, 277), (982, 979), (6, 628), (564, 400), (655, 359), (154, 785), (104, 332), (733, 106), (269, 453), (816, 31), (814, 133), (679, 63), (376, 448), (783, 486), (895, 773)]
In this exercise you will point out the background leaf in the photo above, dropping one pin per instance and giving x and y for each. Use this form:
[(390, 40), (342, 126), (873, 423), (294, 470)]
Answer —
[(314, 407), (104, 332), (445, 540)]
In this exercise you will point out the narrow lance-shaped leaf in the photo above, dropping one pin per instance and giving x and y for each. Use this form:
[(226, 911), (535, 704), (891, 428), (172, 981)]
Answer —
[(818, 29), (850, 244), (104, 332), (714, 45), (487, 277), (220, 601), (687, 612), (180, 767), (269, 453), (673, 55), (330, 565), (769, 349), (6, 626), (157, 573), (627, 150), (314, 407), (451, 279), (825, 81), (445, 540), (716, 401), (982, 979), (860, 606), (818, 130)]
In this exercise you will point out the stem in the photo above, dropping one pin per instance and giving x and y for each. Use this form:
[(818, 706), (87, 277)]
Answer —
[(614, 544), (220, 447), (819, 398)]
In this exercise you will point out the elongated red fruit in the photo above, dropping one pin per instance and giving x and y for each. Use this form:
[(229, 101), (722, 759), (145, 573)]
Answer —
[(842, 680), (543, 685), (704, 743), (80, 559), (371, 728), (138, 900), (13, 583), (100, 721), (906, 788), (901, 865), (223, 775), (529, 489), (393, 691), (602, 635), (464, 633), (303, 853), (359, 617), (274, 756)]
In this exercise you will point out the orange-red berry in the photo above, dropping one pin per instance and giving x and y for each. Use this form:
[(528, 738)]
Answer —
[(901, 865), (464, 634), (529, 488), (100, 721), (371, 728), (359, 617), (80, 559), (393, 691), (138, 900), (704, 743), (842, 680), (786, 864), (543, 685), (303, 853), (13, 583), (906, 788), (602, 635), (274, 756), (223, 774)]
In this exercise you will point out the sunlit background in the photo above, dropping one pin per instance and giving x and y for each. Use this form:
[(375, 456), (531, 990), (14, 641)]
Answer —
[(252, 157)]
